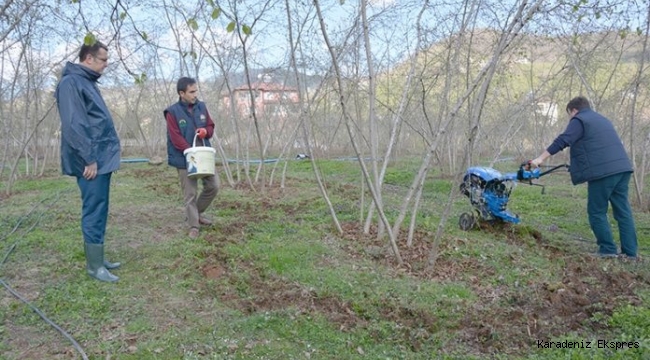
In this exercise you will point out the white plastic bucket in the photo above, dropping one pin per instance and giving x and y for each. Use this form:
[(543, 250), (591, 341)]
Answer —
[(200, 160)]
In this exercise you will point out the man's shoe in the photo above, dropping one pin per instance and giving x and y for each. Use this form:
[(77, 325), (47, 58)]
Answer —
[(204, 220), (628, 257), (194, 233)]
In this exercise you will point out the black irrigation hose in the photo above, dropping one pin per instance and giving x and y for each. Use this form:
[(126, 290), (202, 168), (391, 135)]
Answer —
[(20, 221), (22, 218), (13, 246), (36, 310), (13, 292)]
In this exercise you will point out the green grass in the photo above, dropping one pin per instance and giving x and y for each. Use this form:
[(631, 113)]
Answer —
[(273, 279)]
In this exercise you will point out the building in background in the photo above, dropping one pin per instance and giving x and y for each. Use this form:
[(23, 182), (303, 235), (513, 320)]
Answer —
[(272, 100), (548, 108)]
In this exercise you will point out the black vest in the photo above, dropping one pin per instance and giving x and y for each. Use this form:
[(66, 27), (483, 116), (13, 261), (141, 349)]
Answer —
[(600, 152), (187, 123)]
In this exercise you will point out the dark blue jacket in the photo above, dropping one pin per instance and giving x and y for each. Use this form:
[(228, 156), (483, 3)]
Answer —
[(185, 122), (599, 152), (87, 131)]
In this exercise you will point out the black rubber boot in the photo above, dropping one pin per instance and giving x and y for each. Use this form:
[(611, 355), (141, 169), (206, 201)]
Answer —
[(95, 263)]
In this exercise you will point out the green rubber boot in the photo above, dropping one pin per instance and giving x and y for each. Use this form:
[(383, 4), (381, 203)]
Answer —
[(95, 263), (110, 266)]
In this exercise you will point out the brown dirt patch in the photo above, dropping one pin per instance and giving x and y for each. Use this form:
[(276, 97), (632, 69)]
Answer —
[(157, 180), (415, 257), (507, 318), (272, 293), (541, 311), (504, 318), (259, 292), (254, 290)]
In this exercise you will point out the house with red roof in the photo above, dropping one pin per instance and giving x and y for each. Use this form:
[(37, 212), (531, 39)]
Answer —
[(270, 99)]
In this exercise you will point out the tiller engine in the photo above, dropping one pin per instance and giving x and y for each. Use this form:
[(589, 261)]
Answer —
[(489, 190)]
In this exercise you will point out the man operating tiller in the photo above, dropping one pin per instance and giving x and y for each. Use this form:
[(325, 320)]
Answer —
[(598, 158)]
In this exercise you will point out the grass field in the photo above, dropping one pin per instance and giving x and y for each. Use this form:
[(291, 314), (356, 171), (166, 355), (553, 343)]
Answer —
[(273, 279)]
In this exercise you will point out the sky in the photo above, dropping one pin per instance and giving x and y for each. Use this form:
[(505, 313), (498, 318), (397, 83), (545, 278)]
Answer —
[(393, 30)]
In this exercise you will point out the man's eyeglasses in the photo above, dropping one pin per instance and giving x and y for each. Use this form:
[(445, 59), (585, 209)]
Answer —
[(101, 59)]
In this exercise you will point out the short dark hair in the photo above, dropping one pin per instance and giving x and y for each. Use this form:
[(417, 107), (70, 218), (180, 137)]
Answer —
[(183, 83), (578, 103), (91, 50)]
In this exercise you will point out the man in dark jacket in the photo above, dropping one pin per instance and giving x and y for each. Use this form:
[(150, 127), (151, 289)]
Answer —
[(188, 117), (599, 159), (90, 150)]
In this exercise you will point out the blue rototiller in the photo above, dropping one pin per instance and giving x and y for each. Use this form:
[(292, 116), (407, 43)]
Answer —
[(489, 190)]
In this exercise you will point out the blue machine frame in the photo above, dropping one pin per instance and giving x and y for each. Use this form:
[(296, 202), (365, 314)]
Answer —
[(489, 191)]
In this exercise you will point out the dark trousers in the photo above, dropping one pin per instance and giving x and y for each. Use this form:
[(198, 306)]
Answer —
[(613, 190), (94, 209)]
